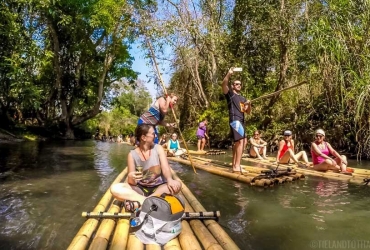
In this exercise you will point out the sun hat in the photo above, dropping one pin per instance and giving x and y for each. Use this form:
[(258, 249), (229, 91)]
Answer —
[(287, 132), (320, 131)]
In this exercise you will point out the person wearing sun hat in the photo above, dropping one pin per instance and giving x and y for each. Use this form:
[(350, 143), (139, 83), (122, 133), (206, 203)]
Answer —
[(286, 151), (321, 151)]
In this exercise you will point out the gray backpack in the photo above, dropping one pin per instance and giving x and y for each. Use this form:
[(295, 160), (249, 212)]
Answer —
[(160, 218)]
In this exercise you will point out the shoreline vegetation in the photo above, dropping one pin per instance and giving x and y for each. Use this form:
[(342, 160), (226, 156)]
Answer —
[(66, 68)]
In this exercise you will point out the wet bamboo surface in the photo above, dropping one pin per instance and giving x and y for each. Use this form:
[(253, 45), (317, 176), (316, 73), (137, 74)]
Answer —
[(208, 152), (357, 178), (219, 168), (114, 233)]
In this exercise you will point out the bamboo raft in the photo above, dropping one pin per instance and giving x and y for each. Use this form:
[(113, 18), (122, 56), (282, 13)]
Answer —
[(253, 177), (359, 176), (114, 233), (209, 152)]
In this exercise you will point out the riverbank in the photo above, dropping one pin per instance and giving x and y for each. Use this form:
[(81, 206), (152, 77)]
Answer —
[(19, 136)]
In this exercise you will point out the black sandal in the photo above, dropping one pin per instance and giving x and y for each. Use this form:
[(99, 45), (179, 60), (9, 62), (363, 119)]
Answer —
[(132, 206)]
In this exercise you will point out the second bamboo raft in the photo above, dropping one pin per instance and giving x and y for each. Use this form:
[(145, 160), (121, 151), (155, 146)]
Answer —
[(253, 177)]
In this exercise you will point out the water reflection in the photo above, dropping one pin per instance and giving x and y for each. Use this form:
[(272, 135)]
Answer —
[(50, 184), (238, 225)]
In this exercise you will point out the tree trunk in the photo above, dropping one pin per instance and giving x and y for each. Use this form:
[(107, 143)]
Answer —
[(283, 67), (69, 133)]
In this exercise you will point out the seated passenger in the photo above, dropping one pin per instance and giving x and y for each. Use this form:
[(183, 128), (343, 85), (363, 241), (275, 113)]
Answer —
[(320, 150), (286, 151), (258, 146), (173, 146), (148, 172), (163, 141)]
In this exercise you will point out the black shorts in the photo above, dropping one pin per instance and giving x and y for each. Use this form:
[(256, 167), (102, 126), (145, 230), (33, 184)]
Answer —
[(146, 191), (237, 130)]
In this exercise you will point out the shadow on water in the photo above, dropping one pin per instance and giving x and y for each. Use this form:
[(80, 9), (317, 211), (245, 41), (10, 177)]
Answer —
[(50, 184)]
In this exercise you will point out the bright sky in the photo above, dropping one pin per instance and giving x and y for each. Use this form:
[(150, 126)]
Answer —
[(144, 67)]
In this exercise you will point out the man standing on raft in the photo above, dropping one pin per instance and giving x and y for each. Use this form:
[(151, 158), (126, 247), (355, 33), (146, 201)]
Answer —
[(237, 105)]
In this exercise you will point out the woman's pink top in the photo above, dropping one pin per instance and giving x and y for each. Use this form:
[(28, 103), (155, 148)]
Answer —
[(318, 159)]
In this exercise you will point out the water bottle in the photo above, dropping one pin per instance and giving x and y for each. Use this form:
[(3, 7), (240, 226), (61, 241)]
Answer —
[(135, 222)]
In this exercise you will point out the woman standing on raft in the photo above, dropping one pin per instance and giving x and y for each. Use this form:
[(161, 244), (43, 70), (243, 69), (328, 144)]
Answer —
[(157, 112)]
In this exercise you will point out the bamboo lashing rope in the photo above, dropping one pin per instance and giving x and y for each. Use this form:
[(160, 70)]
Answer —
[(165, 91), (279, 91)]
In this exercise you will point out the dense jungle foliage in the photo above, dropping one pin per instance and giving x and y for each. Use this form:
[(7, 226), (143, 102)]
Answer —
[(65, 65)]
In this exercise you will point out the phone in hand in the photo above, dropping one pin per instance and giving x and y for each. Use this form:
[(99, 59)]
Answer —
[(237, 69)]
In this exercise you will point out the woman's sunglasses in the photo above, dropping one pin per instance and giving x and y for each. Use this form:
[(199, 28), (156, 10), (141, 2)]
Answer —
[(319, 136)]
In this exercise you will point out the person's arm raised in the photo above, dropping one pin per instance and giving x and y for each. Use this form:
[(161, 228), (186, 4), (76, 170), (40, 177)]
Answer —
[(225, 82), (163, 104)]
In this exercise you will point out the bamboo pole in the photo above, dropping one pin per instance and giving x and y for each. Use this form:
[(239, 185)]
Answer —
[(116, 215), (120, 236), (203, 234), (217, 231), (152, 247), (311, 172), (200, 230), (165, 91), (187, 239), (101, 238), (173, 244), (239, 177), (279, 91), (134, 243), (247, 178), (82, 238)]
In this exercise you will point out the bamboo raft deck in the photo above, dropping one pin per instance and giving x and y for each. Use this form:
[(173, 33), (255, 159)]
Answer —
[(219, 168), (359, 175), (207, 152), (114, 233)]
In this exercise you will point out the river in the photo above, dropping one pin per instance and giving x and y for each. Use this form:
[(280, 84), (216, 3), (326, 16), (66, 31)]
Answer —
[(46, 185)]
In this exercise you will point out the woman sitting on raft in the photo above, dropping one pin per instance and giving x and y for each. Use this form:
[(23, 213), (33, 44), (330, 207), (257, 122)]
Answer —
[(163, 141), (153, 179), (173, 146), (321, 150), (286, 151), (258, 146)]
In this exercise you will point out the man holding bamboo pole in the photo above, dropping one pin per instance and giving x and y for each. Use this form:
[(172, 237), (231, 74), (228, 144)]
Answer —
[(237, 105)]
